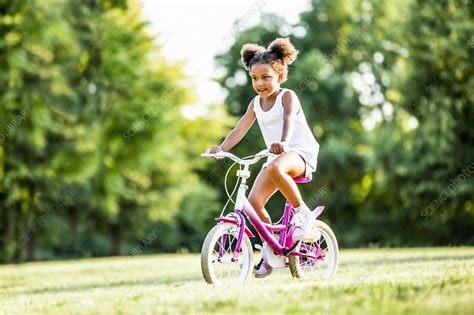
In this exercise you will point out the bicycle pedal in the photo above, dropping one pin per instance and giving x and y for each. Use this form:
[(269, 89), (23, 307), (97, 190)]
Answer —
[(257, 266), (287, 250)]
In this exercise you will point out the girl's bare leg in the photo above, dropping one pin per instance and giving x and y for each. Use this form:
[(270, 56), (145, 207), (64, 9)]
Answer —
[(263, 188), (281, 172)]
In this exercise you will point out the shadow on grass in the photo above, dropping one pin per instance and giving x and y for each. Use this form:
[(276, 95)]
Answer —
[(391, 260), (174, 282)]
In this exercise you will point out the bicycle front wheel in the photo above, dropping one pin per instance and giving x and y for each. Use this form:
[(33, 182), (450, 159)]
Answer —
[(217, 265), (323, 244)]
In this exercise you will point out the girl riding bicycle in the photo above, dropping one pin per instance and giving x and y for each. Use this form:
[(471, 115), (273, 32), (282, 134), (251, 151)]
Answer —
[(285, 131)]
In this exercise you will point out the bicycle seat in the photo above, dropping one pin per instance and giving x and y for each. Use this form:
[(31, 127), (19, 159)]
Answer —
[(302, 180)]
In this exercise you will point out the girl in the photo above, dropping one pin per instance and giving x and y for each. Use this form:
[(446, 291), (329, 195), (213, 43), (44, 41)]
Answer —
[(285, 131)]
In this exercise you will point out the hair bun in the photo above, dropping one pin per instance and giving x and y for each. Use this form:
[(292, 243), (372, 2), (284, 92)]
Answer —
[(284, 50), (248, 52)]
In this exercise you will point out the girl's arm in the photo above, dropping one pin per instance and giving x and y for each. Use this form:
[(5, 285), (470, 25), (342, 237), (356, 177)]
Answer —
[(240, 129), (291, 106)]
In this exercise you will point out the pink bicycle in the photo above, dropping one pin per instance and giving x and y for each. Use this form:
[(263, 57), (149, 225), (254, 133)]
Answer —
[(226, 255)]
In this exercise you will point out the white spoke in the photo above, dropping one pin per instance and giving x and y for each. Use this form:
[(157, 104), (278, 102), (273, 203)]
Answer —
[(231, 243), (227, 270), (314, 266)]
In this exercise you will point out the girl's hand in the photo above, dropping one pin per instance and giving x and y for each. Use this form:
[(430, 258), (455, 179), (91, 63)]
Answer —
[(279, 147), (215, 149)]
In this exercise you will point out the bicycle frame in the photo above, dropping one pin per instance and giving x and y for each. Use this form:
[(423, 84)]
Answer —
[(285, 241), (285, 244)]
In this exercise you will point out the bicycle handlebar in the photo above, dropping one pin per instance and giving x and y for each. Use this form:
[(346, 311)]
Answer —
[(257, 157)]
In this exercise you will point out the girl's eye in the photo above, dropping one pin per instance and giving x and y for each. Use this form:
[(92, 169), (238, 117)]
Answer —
[(265, 77)]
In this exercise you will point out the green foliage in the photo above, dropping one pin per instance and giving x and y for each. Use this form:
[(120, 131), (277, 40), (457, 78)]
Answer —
[(387, 90), (96, 156), (94, 149)]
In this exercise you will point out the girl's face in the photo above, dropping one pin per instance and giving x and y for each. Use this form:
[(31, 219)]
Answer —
[(265, 80)]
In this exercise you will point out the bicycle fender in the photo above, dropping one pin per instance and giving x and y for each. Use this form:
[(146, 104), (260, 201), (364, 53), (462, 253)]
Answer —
[(234, 221)]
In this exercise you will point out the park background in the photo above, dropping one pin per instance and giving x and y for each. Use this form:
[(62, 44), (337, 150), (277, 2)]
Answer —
[(100, 145)]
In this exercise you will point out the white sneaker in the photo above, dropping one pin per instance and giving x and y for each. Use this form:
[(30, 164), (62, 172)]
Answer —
[(262, 269), (303, 219)]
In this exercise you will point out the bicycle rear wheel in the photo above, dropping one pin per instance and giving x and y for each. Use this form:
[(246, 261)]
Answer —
[(323, 244), (217, 252)]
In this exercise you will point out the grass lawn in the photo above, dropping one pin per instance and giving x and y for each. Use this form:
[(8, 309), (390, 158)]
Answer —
[(369, 281)]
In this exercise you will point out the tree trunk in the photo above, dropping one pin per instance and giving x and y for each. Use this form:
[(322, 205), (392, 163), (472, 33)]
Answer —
[(116, 239), (10, 245), (31, 248), (73, 218)]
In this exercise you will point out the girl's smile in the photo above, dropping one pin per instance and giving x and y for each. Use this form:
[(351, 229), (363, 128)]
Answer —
[(265, 80)]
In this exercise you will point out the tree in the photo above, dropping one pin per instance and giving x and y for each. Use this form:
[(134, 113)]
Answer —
[(381, 85), (35, 121), (95, 152)]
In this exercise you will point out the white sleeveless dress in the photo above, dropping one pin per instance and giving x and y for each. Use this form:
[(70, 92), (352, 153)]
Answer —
[(302, 141)]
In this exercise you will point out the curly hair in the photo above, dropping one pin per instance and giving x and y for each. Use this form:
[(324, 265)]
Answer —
[(279, 54)]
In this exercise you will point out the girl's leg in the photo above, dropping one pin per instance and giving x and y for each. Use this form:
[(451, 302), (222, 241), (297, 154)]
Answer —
[(282, 170), (263, 188)]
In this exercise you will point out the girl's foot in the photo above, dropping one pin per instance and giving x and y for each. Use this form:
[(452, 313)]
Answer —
[(303, 219), (262, 269)]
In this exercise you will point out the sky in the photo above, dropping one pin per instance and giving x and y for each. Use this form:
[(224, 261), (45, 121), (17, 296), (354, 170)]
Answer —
[(172, 21)]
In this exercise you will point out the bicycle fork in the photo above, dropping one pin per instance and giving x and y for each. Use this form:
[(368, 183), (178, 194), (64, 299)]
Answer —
[(238, 219)]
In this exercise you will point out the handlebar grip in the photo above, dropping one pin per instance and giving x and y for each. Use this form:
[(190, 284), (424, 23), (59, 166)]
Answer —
[(222, 154), (219, 155)]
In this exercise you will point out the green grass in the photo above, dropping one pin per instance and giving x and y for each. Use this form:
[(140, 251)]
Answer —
[(369, 281)]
